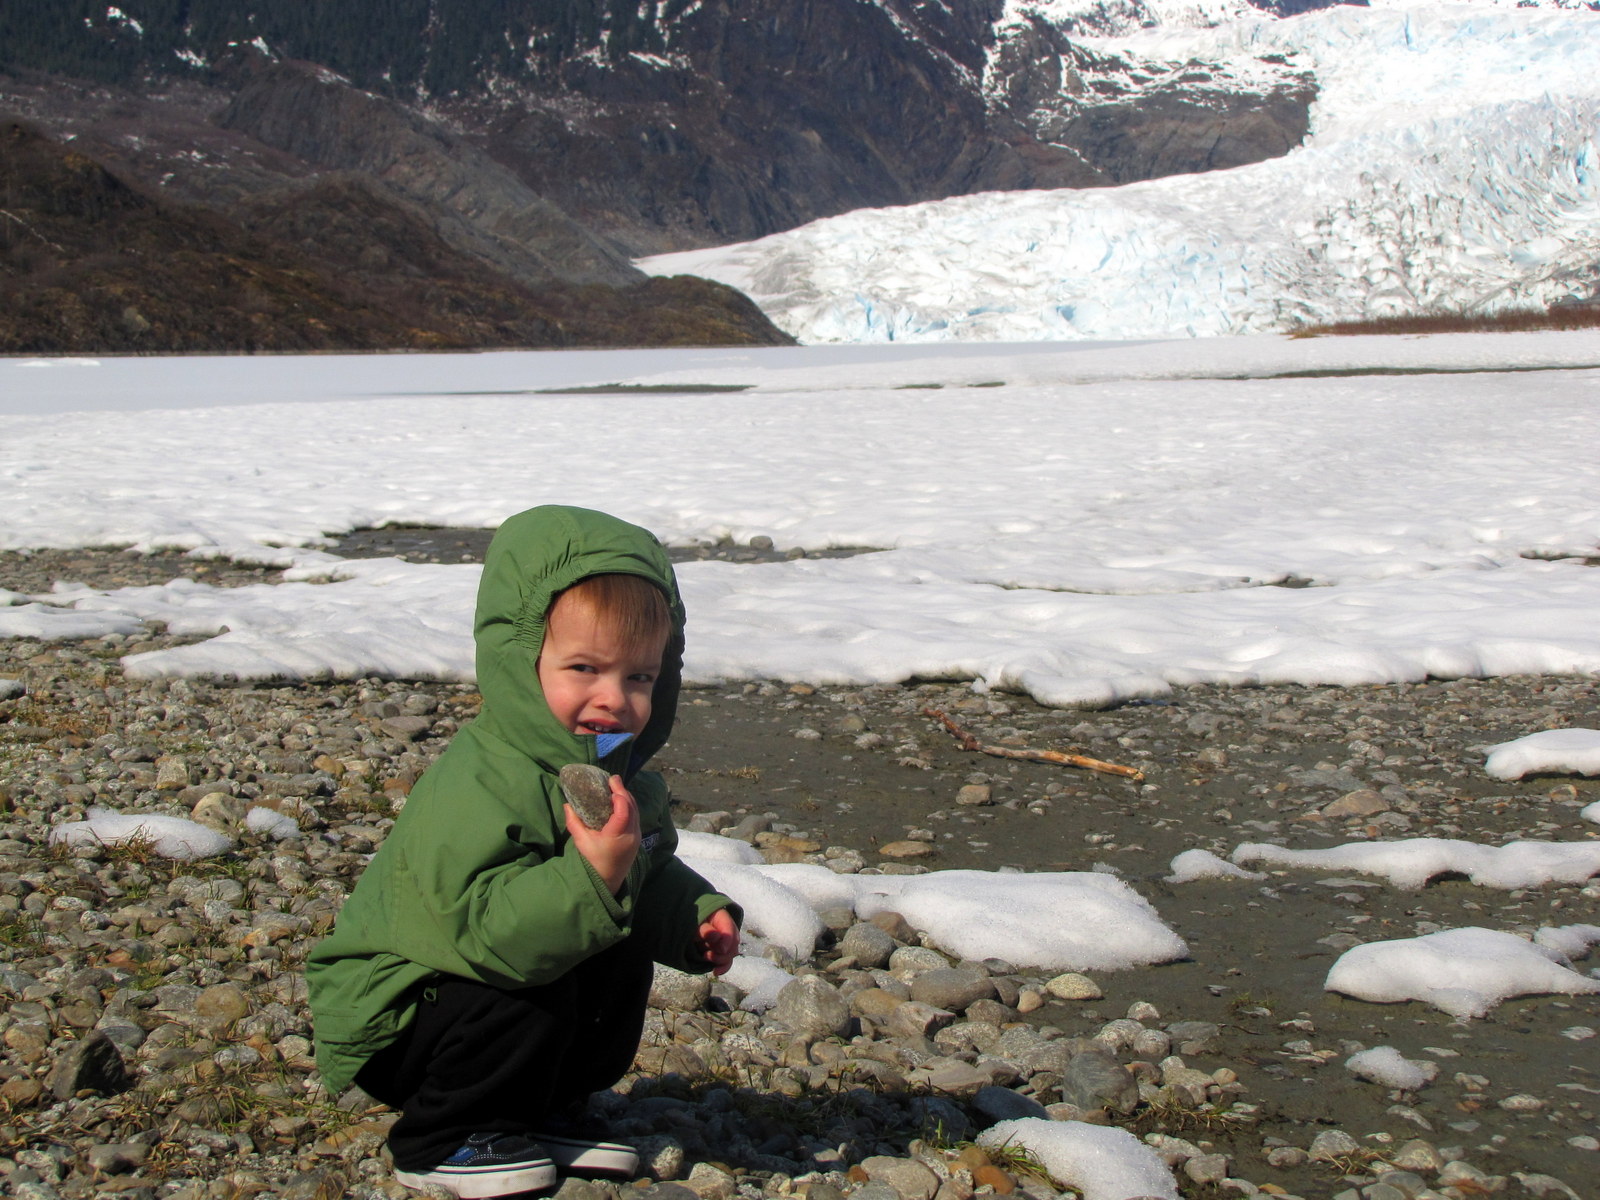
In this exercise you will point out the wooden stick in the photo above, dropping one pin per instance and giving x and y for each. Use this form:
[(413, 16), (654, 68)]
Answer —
[(968, 742)]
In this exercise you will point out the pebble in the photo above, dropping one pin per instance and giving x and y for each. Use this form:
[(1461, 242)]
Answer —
[(1072, 986)]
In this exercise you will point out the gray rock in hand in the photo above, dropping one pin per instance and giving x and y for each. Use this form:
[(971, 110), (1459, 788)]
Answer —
[(588, 789)]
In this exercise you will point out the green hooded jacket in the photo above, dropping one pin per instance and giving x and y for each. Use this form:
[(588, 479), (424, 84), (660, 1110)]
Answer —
[(479, 877)]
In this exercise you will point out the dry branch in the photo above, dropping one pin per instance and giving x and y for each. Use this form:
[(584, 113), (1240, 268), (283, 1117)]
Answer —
[(969, 742)]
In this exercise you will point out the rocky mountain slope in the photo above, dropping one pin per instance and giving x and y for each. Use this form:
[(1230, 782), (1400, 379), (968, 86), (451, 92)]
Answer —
[(547, 143), (90, 264), (672, 124)]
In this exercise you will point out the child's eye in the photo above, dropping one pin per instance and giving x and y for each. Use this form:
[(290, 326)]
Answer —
[(642, 677)]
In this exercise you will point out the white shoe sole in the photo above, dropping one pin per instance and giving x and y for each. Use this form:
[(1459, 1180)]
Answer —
[(483, 1183), (583, 1156)]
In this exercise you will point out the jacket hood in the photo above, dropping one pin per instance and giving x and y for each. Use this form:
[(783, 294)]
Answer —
[(534, 556)]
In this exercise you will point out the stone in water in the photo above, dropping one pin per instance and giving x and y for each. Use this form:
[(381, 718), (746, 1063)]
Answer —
[(588, 789)]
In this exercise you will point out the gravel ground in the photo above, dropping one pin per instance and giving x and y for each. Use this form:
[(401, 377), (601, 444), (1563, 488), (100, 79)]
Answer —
[(155, 1036)]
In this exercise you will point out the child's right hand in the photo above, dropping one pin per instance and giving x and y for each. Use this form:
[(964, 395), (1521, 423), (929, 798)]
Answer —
[(611, 849)]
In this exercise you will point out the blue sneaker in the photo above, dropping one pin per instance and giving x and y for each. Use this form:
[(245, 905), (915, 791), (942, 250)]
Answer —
[(489, 1165)]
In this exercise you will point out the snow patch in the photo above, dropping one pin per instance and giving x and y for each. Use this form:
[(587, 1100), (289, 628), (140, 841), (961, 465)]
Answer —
[(1463, 972), (1387, 1066), (1101, 1161), (170, 837), (1574, 751)]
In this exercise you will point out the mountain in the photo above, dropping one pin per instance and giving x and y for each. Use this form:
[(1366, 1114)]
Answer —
[(1449, 167), (92, 264), (529, 149), (668, 124)]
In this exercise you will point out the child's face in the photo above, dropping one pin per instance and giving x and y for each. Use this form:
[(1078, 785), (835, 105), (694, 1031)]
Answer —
[(592, 682)]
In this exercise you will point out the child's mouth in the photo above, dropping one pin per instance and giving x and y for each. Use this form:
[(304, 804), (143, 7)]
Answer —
[(600, 727)]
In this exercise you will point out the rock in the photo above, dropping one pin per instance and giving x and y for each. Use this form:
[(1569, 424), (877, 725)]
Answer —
[(894, 925), (406, 728), (172, 774), (662, 1157), (679, 991), (975, 795), (218, 810), (1418, 1155), (217, 1008), (868, 944), (914, 1019), (875, 1003), (1468, 1178), (937, 1114), (904, 850), (588, 789), (1541, 1186), (1186, 1085), (994, 1178), (21, 1091), (1072, 986), (991, 1011), (658, 1191), (319, 1183), (1193, 1037), (93, 1064), (810, 1004), (909, 1178), (116, 1158), (1207, 1168), (1405, 1184), (908, 960), (1524, 1103), (1151, 1044), (1333, 1144), (1364, 802), (709, 1182), (952, 1076), (1003, 1104), (953, 988), (1095, 1079)]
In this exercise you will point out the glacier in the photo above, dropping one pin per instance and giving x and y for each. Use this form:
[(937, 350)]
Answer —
[(1451, 166)]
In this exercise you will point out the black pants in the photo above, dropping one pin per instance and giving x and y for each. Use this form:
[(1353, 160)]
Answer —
[(482, 1060)]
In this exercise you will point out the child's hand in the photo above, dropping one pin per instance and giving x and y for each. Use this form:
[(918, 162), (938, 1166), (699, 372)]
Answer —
[(718, 941), (612, 848)]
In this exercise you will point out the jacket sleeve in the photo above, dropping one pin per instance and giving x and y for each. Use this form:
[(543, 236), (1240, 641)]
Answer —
[(674, 900)]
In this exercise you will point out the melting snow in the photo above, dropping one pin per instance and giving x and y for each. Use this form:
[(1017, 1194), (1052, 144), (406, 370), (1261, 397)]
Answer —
[(1575, 751), (1464, 972)]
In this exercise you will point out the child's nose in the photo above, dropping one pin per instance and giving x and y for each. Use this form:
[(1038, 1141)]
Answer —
[(609, 693)]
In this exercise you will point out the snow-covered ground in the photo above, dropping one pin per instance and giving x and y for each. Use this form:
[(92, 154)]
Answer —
[(1451, 165), (1106, 523)]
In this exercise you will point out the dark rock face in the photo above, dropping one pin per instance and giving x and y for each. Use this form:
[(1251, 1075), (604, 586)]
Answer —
[(477, 206), (669, 124), (91, 264), (1132, 119), (765, 115)]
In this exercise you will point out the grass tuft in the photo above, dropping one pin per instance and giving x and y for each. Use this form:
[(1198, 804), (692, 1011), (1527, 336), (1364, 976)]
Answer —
[(1563, 316)]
